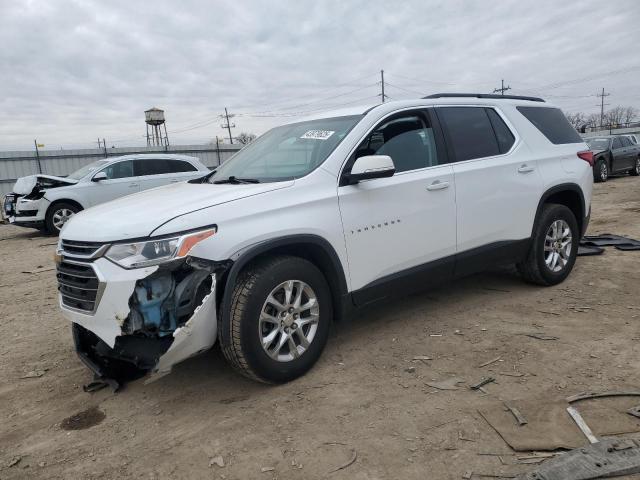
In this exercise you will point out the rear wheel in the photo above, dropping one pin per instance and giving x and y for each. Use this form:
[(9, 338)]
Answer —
[(280, 314), (554, 246), (601, 171), (58, 214), (636, 170)]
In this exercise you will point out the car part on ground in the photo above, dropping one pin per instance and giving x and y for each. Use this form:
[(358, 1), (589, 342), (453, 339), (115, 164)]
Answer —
[(608, 239), (610, 457), (588, 251)]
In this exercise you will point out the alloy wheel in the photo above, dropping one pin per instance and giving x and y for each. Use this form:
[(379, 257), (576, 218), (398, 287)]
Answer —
[(604, 172), (60, 217), (289, 320), (557, 246)]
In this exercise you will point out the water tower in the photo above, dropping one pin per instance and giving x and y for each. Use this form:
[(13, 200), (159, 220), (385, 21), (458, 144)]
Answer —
[(154, 118)]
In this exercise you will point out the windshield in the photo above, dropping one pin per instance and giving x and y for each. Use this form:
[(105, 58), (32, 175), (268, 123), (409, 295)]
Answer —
[(598, 143), (87, 169), (287, 152)]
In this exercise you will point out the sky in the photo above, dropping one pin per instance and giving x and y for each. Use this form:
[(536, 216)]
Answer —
[(73, 71)]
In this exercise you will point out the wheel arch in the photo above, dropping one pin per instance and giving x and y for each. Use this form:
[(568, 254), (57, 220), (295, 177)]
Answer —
[(65, 200), (567, 194), (310, 247)]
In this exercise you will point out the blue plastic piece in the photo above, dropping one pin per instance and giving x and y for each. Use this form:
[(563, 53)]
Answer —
[(151, 294)]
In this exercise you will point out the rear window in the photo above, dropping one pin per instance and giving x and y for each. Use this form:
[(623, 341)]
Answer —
[(552, 124)]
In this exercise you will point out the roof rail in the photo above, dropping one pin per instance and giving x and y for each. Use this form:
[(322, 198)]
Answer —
[(484, 95)]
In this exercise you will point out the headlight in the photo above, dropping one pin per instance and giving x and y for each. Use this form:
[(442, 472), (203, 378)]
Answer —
[(154, 252)]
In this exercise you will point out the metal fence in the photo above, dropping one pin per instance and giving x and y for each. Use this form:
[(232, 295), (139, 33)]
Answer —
[(14, 165)]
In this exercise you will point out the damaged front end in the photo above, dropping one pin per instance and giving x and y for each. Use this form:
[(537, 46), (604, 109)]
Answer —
[(131, 322)]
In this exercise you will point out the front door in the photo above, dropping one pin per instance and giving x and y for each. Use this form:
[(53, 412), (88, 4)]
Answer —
[(403, 227)]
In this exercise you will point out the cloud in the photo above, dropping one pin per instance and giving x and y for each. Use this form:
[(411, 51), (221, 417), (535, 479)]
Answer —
[(72, 71)]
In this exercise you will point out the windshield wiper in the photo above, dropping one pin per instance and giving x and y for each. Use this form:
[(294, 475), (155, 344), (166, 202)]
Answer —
[(236, 180)]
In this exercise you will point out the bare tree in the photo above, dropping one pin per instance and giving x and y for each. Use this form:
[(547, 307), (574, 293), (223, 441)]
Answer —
[(630, 114), (577, 119), (592, 120), (245, 138), (615, 116)]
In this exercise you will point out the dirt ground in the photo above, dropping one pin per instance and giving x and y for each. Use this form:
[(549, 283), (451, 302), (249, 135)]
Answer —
[(367, 398)]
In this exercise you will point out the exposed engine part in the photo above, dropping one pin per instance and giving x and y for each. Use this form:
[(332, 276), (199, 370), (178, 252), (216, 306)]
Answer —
[(165, 300)]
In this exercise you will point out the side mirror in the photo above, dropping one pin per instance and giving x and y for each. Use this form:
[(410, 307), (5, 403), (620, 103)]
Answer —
[(371, 166), (99, 176)]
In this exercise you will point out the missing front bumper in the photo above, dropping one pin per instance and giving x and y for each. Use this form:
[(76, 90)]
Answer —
[(113, 346)]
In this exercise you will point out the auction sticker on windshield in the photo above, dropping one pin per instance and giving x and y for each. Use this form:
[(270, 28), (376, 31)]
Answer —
[(318, 134)]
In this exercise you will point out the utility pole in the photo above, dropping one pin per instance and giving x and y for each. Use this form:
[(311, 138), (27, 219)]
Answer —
[(228, 125), (35, 142), (602, 104), (382, 95), (502, 89)]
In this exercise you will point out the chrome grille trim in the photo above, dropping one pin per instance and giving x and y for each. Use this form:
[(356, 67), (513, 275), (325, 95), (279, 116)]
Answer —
[(83, 250), (79, 286)]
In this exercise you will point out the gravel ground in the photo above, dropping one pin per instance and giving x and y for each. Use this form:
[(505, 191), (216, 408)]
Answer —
[(366, 403)]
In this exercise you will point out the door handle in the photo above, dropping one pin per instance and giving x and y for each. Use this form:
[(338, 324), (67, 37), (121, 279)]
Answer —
[(131, 185), (175, 181), (525, 169), (438, 185)]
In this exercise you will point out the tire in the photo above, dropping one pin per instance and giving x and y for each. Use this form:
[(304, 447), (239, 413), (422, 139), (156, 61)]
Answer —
[(534, 269), (636, 170), (251, 319), (600, 171), (58, 214)]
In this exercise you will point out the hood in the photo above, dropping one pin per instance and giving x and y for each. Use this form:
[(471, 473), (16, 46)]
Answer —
[(25, 185), (138, 215)]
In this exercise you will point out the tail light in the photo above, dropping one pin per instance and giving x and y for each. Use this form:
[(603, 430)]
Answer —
[(586, 155)]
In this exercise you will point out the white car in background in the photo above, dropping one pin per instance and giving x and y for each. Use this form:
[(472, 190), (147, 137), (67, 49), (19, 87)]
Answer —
[(47, 202)]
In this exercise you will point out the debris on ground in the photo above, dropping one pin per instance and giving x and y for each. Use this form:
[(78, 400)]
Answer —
[(217, 460), (589, 395), (354, 456), (38, 270), (449, 384), (14, 461), (516, 413), (582, 425), (635, 411), (609, 457), (421, 357), (34, 374), (482, 383), (497, 359), (267, 469), (540, 336)]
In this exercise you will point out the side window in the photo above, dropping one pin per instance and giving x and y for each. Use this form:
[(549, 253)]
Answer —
[(119, 170), (151, 167), (177, 166), (407, 139), (469, 132), (616, 143), (503, 134), (625, 142)]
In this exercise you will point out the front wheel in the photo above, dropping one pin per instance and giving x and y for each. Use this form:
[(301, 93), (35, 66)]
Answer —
[(58, 214), (554, 246), (601, 171), (635, 171), (280, 314)]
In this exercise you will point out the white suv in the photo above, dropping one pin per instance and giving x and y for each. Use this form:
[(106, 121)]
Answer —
[(47, 202), (320, 217)]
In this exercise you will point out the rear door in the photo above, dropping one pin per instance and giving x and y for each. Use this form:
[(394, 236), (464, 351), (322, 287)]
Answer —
[(121, 180), (629, 153), (400, 230), (498, 184)]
